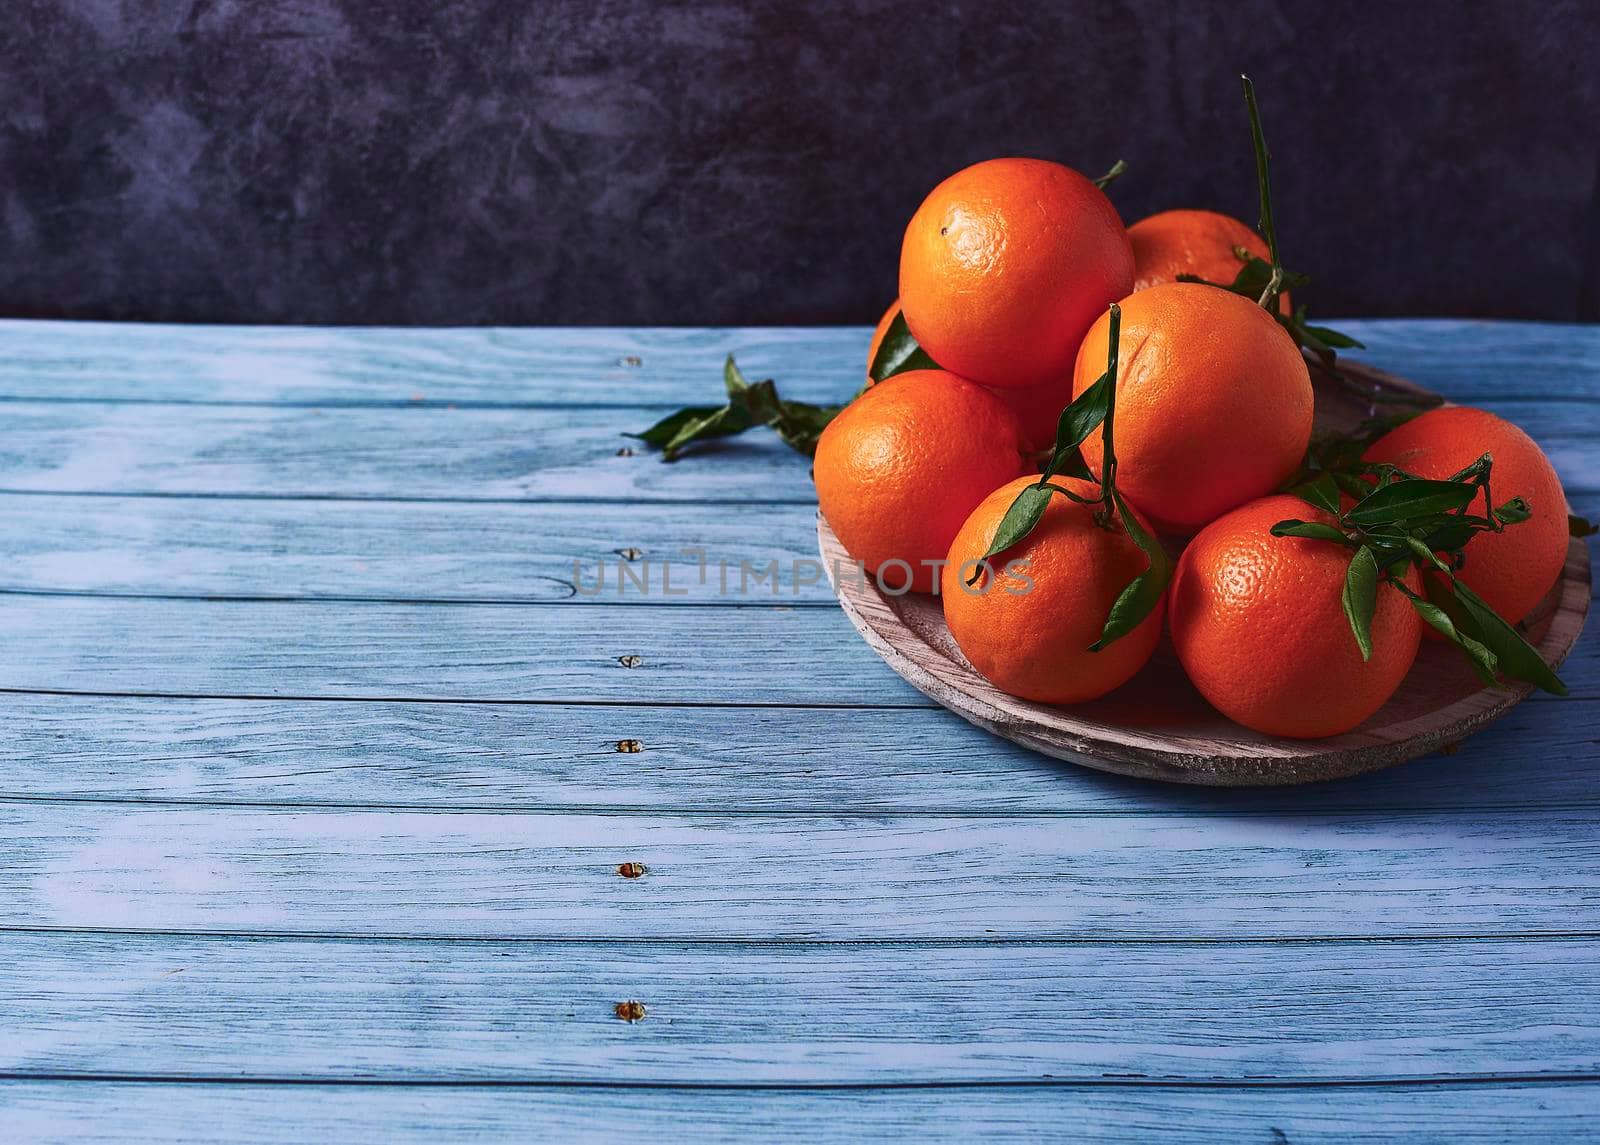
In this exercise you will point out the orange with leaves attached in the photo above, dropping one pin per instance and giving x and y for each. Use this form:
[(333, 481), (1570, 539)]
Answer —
[(1200, 243), (1259, 625), (1511, 570), (899, 469), (1213, 402), (1027, 626), (1004, 266), (1038, 408)]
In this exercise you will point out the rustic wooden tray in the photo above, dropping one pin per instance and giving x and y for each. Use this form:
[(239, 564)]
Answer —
[(1158, 727)]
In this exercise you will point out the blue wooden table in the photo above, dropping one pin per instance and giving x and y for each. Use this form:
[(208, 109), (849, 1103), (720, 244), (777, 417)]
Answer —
[(339, 805)]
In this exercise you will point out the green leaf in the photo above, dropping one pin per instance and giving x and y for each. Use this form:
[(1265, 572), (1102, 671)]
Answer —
[(1313, 530), (1426, 555), (1518, 659), (1411, 498), (667, 428), (1069, 464), (1321, 491), (1513, 512), (1118, 169), (722, 422), (1450, 534), (1144, 591), (1581, 526), (1076, 423), (759, 400), (799, 424), (732, 378), (1482, 660), (1332, 337), (1025, 512), (1360, 597), (1351, 484), (899, 352), (1258, 142)]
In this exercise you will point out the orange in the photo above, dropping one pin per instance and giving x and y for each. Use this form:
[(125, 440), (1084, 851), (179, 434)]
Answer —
[(1259, 626), (1171, 243), (1213, 402), (1028, 622), (1004, 266), (1512, 570), (901, 467), (1038, 408)]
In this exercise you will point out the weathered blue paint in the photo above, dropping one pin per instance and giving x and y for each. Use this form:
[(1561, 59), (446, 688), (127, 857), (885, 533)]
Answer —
[(360, 819)]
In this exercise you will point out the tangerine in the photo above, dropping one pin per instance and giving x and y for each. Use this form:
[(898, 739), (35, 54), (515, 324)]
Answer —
[(899, 469), (1214, 402), (1511, 570), (1038, 408), (1201, 243), (1027, 627), (1004, 266), (1259, 626)]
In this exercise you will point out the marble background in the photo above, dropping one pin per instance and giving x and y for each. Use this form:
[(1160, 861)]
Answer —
[(508, 161)]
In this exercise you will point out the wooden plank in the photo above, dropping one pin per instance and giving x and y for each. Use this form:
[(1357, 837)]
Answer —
[(376, 550), (778, 760), (835, 877), (693, 654), (241, 1114), (1470, 360), (387, 551), (391, 454), (287, 1009), (89, 361), (1478, 361), (466, 454)]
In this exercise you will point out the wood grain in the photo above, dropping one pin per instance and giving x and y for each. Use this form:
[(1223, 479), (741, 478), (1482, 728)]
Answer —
[(235, 1114), (533, 454), (836, 877), (795, 1015), (688, 655), (468, 454), (798, 761), (692, 654), (398, 551), (1470, 360), (291, 549)]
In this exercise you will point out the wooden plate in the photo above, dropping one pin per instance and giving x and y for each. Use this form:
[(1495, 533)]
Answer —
[(1158, 727)]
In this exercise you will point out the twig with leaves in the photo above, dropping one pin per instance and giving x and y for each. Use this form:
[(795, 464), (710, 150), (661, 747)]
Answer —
[(749, 404), (1094, 408), (1404, 521)]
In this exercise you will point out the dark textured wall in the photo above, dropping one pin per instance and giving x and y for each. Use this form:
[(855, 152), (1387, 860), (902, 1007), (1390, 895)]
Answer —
[(512, 161)]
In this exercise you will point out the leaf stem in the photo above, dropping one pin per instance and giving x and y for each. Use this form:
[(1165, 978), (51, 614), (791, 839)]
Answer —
[(1108, 451), (1111, 176)]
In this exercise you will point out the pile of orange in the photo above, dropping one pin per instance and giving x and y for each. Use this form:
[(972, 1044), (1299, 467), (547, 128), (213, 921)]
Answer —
[(1006, 274)]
